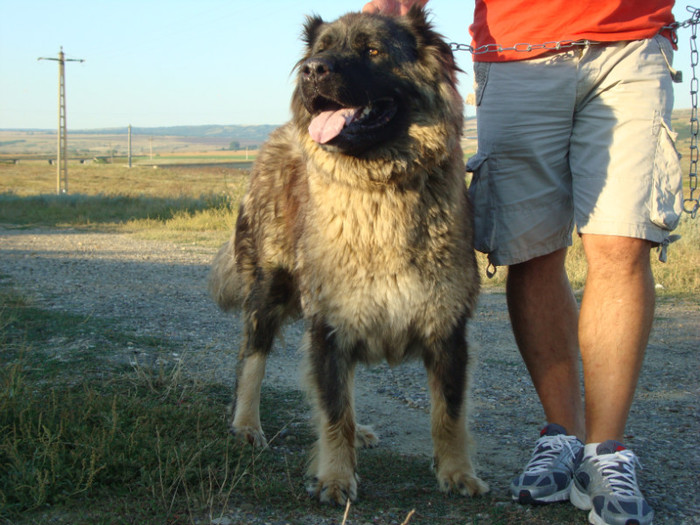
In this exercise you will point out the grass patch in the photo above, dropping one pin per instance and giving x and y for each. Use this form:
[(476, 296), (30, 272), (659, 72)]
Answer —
[(88, 439), (680, 275), (188, 206), (210, 225), (148, 441), (90, 210), (37, 178)]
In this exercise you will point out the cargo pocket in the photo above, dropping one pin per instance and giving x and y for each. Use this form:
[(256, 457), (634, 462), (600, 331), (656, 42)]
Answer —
[(482, 197), (667, 182), (666, 49), (481, 78)]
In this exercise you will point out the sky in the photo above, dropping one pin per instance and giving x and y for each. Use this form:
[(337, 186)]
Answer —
[(172, 62)]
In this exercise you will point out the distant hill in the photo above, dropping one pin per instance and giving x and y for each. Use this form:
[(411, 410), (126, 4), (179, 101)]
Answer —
[(252, 134), (257, 133)]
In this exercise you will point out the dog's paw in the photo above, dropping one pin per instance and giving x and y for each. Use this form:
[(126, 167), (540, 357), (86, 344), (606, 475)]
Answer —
[(463, 482), (365, 437), (333, 491), (251, 435)]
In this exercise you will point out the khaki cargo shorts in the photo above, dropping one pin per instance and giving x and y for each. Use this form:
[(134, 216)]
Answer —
[(579, 137)]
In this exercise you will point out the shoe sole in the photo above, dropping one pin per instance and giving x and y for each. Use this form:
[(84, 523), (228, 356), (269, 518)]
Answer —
[(581, 500), (525, 498)]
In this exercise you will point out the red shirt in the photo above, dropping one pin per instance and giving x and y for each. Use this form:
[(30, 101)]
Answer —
[(511, 22)]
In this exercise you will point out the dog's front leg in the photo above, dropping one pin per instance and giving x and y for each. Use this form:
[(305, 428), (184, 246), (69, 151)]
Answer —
[(330, 370), (446, 362)]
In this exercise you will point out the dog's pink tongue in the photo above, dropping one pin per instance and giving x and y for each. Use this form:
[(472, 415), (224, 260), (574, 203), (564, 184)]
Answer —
[(326, 125)]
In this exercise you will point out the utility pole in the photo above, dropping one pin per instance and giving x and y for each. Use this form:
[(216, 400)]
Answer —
[(62, 139), (129, 148)]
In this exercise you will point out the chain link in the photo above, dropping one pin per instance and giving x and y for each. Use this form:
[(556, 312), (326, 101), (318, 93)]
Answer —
[(523, 47), (692, 203)]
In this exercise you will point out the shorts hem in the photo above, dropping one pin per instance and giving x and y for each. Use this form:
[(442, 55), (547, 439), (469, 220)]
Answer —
[(501, 258), (648, 232)]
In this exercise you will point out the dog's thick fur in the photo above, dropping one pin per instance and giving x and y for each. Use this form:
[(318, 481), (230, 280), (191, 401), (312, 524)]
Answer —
[(366, 234)]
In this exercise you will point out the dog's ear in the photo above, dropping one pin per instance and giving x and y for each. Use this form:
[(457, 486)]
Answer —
[(309, 33), (418, 18), (429, 40), (311, 27)]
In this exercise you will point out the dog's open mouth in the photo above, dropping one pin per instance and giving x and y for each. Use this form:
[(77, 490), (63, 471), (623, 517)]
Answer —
[(334, 120)]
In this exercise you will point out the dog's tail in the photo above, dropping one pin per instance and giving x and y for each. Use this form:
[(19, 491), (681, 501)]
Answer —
[(226, 284)]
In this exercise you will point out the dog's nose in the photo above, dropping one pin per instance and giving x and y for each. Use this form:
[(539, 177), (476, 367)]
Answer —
[(315, 69)]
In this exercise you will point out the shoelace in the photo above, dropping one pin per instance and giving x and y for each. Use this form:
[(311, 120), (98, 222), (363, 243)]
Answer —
[(618, 470), (542, 457)]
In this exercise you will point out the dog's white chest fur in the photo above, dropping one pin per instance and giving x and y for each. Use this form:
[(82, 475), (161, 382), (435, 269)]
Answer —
[(357, 267)]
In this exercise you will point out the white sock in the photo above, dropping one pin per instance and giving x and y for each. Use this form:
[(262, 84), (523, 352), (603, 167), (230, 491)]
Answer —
[(590, 449)]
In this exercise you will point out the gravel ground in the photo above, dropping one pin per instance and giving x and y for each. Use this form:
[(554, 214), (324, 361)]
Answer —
[(158, 288)]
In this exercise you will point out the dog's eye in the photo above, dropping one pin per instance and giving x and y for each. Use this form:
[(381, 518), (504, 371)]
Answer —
[(372, 52)]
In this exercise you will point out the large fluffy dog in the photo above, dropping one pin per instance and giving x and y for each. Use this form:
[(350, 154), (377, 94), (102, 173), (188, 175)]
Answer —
[(357, 217)]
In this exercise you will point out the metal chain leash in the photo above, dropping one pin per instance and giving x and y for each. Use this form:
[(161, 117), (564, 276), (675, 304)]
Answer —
[(692, 203), (522, 48)]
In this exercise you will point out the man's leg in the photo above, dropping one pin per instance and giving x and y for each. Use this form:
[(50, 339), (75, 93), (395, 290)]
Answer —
[(614, 324), (544, 316)]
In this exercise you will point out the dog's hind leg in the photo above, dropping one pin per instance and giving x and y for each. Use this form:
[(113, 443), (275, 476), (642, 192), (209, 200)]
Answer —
[(246, 410), (446, 362), (265, 308), (330, 370)]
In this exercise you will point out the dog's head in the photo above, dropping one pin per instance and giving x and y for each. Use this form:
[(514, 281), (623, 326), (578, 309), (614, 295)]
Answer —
[(363, 78)]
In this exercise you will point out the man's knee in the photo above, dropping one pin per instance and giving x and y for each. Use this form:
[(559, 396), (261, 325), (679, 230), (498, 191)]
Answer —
[(609, 253)]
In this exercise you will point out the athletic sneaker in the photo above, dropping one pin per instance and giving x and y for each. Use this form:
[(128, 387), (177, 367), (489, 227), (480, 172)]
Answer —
[(606, 484), (548, 475)]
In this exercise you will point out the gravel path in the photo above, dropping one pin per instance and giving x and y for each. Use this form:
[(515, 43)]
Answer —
[(158, 288)]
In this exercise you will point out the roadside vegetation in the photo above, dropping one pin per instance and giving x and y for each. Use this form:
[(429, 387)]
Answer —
[(199, 205)]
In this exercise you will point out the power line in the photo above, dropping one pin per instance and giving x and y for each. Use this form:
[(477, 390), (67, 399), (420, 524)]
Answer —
[(62, 138)]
